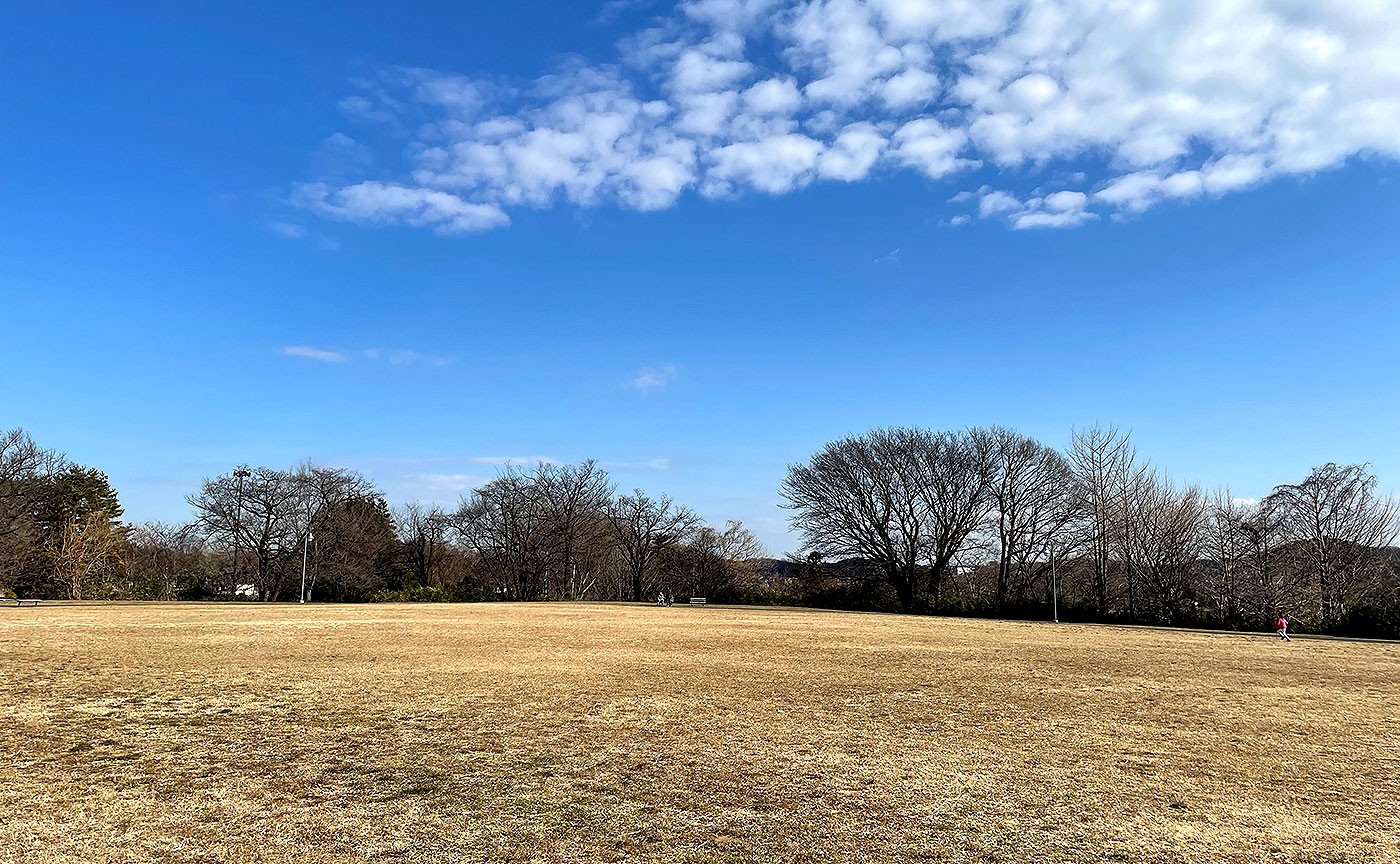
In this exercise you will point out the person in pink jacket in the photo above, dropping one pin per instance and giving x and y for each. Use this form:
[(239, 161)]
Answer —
[(1281, 625)]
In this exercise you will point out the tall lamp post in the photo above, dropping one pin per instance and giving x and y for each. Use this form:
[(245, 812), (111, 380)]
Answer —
[(305, 541), (240, 472)]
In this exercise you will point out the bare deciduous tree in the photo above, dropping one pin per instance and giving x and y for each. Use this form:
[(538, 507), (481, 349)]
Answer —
[(423, 540), (1162, 543), (505, 523), (20, 461), (860, 498), (1032, 504), (576, 497), (89, 550), (265, 520), (953, 484), (720, 564), (644, 527), (167, 561), (1339, 523), (1103, 460)]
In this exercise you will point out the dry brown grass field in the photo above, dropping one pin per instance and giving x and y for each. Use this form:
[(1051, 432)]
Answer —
[(583, 733)]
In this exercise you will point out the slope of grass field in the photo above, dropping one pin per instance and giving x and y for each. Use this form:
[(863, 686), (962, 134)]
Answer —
[(548, 732)]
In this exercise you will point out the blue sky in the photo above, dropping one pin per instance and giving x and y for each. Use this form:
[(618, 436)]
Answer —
[(694, 242)]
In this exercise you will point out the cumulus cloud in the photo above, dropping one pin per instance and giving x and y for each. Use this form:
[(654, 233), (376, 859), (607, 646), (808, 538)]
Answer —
[(773, 96), (775, 165), (652, 378), (930, 147), (1063, 209), (707, 68), (853, 153), (1152, 102)]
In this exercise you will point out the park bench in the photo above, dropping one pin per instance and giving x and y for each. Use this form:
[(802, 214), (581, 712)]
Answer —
[(19, 602), (697, 601)]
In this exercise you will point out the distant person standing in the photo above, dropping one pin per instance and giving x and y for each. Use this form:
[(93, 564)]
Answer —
[(660, 598), (1281, 625)]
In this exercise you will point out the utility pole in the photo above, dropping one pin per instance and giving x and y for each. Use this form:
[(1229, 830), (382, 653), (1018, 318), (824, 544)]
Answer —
[(240, 472)]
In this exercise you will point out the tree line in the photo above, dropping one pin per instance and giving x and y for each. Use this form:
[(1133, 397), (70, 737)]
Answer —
[(323, 533), (990, 521), (980, 521)]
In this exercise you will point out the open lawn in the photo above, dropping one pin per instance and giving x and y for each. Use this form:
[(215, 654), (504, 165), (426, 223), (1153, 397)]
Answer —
[(555, 732)]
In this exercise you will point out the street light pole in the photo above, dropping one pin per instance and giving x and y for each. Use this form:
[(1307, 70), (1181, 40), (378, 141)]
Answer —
[(304, 542), (240, 472)]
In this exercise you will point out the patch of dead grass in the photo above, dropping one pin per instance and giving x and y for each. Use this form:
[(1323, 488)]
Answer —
[(566, 733)]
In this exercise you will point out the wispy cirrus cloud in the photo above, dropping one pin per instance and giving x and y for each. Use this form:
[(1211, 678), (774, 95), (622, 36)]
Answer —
[(289, 230), (643, 465), (1079, 109), (403, 357), (443, 480), (294, 231), (437, 487), (651, 378), (394, 357), (320, 354)]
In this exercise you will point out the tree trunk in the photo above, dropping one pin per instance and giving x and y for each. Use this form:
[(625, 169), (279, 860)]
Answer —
[(903, 584)]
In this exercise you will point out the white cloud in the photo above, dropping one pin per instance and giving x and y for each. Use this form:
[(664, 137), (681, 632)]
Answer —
[(652, 378), (647, 465), (310, 353), (365, 108), (1151, 101), (930, 147), (996, 202), (1033, 218), (404, 357), (340, 154), (852, 154), (286, 229), (728, 15), (513, 460), (1066, 201), (705, 69), (433, 487), (944, 19), (774, 165), (460, 96), (1132, 191), (1062, 209), (705, 114), (372, 201), (838, 42), (393, 356), (910, 87), (773, 96)]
